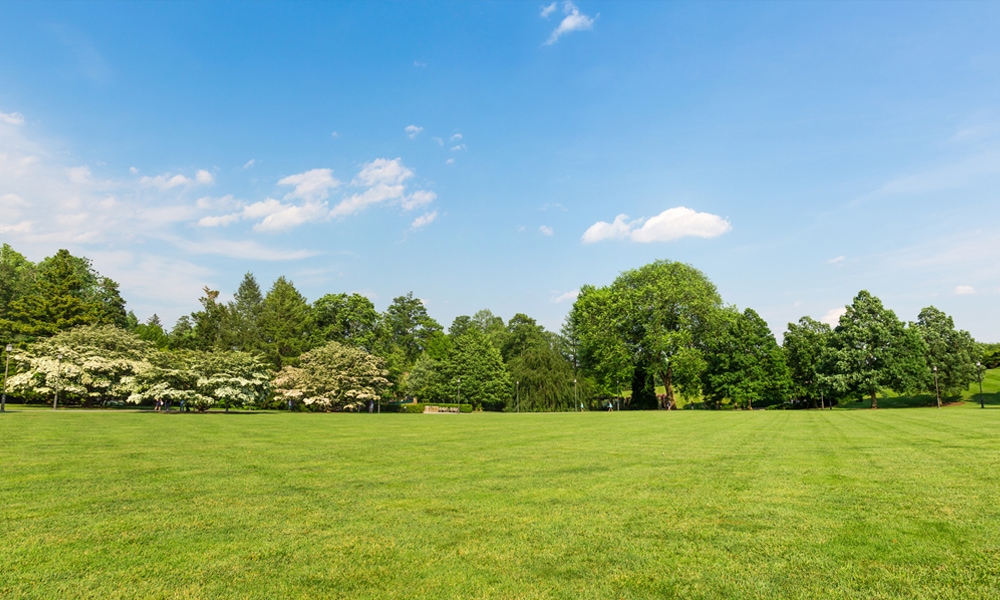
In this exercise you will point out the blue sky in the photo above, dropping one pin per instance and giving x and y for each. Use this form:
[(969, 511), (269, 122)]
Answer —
[(500, 155)]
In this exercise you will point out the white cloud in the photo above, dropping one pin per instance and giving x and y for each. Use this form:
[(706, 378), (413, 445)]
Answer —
[(423, 220), (964, 290), (546, 230), (14, 118), (602, 230), (167, 181), (671, 224), (374, 195), (566, 297), (450, 161), (289, 216), (204, 177), (573, 21), (334, 134), (249, 163), (455, 137), (133, 170), (311, 185), (382, 171), (548, 10), (458, 148), (832, 316), (835, 260), (419, 64), (440, 142), (417, 199), (412, 131), (79, 175)]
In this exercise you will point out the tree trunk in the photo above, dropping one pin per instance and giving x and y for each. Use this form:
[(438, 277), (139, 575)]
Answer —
[(874, 401), (668, 389)]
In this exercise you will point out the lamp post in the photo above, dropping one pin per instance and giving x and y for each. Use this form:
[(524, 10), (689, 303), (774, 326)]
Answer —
[(517, 393), (459, 380), (979, 376), (55, 401), (576, 403), (3, 399), (937, 390)]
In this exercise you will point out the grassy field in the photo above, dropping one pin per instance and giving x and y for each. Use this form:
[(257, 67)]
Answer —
[(794, 504)]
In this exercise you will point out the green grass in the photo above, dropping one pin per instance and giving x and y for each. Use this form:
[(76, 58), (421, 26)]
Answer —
[(695, 504)]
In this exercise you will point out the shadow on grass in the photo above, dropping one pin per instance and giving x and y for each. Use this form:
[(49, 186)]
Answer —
[(916, 401)]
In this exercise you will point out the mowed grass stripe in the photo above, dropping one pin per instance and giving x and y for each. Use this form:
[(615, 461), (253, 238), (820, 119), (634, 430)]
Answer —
[(696, 504)]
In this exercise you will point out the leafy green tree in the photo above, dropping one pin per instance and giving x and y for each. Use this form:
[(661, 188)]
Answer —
[(872, 350), (523, 332), (17, 275), (409, 326), (244, 314), (485, 381), (425, 380), (210, 322), (545, 379), (349, 319), (953, 352), (804, 345), (656, 317), (286, 324), (56, 301), (744, 363), (99, 363), (182, 336), (333, 376), (152, 332)]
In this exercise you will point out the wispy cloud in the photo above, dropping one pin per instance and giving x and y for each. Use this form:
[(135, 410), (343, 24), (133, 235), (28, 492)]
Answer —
[(455, 137), (573, 21), (964, 290), (569, 296), (458, 148), (832, 316), (412, 131), (14, 118), (546, 230), (424, 220), (249, 163), (548, 10), (313, 185), (671, 224), (835, 260)]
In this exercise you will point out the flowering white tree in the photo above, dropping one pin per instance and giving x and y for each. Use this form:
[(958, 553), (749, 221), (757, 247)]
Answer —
[(332, 377), (205, 379), (99, 363)]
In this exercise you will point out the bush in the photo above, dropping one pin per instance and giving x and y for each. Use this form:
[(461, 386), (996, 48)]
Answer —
[(419, 408)]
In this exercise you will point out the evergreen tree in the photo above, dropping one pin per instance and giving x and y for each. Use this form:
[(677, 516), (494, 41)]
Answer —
[(475, 370), (409, 326), (286, 324), (745, 364), (244, 312)]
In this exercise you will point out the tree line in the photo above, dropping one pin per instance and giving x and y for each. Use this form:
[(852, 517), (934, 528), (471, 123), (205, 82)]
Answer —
[(662, 324)]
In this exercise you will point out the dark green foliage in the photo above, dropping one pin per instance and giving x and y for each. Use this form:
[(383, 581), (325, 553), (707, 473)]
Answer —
[(242, 328), (545, 379), (745, 363), (954, 353), (286, 324), (409, 326), (60, 298), (804, 345), (349, 319), (152, 331), (485, 381), (210, 322), (871, 350)]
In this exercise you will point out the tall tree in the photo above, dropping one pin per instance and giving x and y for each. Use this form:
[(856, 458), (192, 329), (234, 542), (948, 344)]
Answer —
[(348, 319), (409, 326), (545, 379), (872, 350), (210, 322), (804, 345), (657, 317), (744, 363), (244, 314), (286, 324), (475, 370), (57, 300), (953, 352), (17, 275)]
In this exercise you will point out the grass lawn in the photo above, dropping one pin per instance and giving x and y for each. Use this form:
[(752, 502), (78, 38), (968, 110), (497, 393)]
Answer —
[(688, 504)]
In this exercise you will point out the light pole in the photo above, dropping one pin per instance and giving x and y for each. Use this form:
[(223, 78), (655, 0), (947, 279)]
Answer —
[(979, 376), (459, 395), (3, 400), (55, 401), (576, 403), (937, 390), (517, 386)]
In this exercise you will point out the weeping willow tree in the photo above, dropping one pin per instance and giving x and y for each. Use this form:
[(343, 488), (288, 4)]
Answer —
[(543, 379)]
